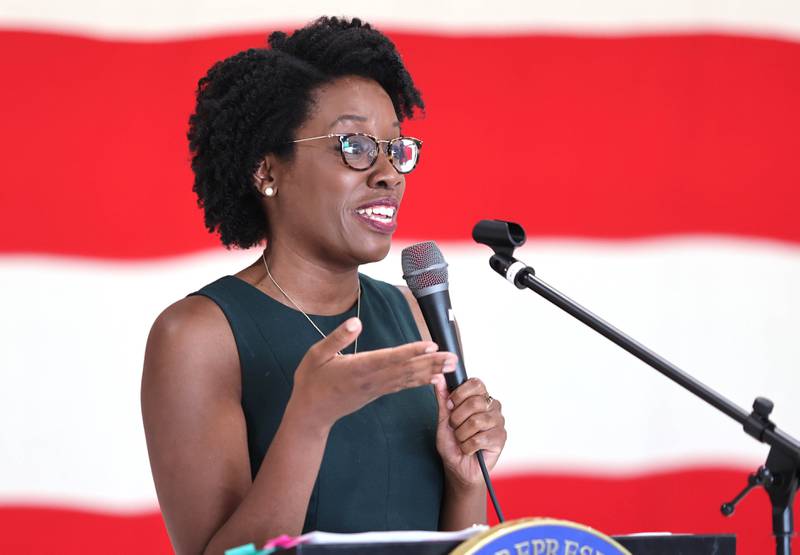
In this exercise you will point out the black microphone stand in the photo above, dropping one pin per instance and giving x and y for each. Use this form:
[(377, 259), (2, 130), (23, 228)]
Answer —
[(780, 474)]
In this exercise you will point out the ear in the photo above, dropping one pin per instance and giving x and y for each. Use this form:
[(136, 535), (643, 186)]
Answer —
[(262, 173), (264, 176)]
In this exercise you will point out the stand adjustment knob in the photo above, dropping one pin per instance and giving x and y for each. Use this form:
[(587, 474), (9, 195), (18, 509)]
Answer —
[(763, 407), (761, 477)]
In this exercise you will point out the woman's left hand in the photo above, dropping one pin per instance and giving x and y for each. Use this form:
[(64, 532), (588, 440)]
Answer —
[(469, 420)]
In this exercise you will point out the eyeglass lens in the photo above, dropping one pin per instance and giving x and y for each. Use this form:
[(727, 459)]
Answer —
[(361, 151)]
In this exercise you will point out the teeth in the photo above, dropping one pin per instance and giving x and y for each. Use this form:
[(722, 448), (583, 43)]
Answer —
[(378, 213)]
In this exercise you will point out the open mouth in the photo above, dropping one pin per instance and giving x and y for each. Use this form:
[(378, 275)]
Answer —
[(383, 214), (379, 215)]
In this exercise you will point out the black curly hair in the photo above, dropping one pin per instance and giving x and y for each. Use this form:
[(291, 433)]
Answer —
[(252, 103)]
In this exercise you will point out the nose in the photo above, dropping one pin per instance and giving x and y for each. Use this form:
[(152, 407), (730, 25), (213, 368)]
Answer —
[(383, 174)]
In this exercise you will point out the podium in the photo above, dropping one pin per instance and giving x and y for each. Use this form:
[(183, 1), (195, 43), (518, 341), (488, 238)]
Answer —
[(675, 544)]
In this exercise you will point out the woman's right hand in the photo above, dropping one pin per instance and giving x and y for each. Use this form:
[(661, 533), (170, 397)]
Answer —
[(328, 386)]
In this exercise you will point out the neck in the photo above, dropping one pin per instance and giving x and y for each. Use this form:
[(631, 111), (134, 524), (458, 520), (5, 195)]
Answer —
[(318, 288)]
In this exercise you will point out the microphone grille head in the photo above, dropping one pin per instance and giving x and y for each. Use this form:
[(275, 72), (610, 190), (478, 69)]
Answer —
[(423, 266)]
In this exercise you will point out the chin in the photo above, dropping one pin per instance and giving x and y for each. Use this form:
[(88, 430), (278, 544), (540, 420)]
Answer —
[(374, 252)]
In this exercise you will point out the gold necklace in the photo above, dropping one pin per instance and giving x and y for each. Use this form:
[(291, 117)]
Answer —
[(303, 312)]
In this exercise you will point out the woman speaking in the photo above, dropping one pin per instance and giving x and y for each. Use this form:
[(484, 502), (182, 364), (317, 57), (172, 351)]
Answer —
[(298, 394)]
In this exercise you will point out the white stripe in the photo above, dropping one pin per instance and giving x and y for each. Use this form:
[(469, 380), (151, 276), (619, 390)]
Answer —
[(725, 310), (155, 18)]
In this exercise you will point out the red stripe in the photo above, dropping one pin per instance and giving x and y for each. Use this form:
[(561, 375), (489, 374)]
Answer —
[(66, 531), (586, 137), (681, 502)]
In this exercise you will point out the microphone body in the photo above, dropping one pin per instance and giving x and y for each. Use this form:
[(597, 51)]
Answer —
[(425, 272), (438, 314)]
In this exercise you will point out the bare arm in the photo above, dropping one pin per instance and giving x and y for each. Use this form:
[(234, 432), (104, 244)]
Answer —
[(197, 439), (462, 506), (196, 430)]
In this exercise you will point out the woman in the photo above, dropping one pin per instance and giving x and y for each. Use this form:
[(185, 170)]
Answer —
[(296, 395)]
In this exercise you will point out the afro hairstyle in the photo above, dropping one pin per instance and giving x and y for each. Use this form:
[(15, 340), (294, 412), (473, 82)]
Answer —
[(252, 103)]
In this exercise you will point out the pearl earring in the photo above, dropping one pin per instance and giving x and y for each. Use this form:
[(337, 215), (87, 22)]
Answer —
[(269, 192)]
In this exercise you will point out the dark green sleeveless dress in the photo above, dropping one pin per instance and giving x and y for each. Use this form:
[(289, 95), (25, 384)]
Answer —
[(380, 470)]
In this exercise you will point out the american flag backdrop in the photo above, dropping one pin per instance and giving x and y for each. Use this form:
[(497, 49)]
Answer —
[(650, 149)]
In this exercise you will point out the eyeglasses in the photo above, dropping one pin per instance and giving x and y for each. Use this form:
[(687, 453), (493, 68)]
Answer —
[(360, 151)]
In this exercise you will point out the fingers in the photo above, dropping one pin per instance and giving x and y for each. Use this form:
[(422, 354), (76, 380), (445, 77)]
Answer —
[(491, 441), (377, 373), (416, 371), (472, 406), (374, 360), (473, 411), (476, 420), (469, 388), (324, 350), (389, 370), (479, 421)]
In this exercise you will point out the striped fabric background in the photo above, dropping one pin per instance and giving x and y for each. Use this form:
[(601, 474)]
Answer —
[(650, 149)]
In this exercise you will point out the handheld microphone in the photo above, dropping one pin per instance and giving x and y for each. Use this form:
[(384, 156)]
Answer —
[(425, 272)]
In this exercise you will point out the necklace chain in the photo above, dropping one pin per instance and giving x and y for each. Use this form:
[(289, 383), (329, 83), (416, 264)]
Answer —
[(303, 312)]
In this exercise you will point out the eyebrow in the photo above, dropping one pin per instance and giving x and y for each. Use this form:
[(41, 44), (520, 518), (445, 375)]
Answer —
[(354, 117)]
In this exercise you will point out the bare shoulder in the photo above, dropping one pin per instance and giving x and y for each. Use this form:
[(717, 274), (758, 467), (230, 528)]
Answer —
[(192, 338), (197, 312), (416, 312)]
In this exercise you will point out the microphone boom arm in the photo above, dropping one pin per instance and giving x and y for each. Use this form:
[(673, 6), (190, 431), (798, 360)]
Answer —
[(783, 461)]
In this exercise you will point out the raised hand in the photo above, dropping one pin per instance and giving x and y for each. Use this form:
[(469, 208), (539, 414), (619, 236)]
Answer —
[(331, 385)]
